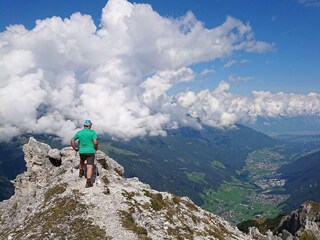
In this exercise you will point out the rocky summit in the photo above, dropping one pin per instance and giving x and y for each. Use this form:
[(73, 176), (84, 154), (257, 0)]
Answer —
[(51, 202)]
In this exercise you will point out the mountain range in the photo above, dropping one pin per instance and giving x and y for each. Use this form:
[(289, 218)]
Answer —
[(302, 179), (275, 126), (187, 160), (52, 202), (197, 163)]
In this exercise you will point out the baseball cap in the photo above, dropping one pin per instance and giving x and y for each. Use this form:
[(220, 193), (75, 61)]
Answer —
[(87, 123)]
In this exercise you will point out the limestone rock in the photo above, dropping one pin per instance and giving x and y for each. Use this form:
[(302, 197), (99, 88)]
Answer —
[(303, 223), (54, 154), (51, 202)]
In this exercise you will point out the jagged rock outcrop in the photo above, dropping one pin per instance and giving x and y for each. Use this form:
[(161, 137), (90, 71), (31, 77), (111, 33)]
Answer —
[(304, 223), (51, 202)]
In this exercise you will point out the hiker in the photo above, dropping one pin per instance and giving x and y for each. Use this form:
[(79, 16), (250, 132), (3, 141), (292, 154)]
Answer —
[(88, 144)]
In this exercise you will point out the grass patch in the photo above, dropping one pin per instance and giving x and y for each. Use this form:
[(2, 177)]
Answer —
[(58, 189), (307, 236), (217, 164), (129, 223), (63, 218), (191, 206), (176, 199), (197, 177), (128, 195), (262, 224), (109, 148), (315, 207), (157, 202), (218, 232), (118, 172), (105, 180)]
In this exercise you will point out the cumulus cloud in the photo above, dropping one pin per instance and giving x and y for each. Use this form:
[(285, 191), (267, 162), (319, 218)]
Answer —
[(220, 108), (117, 74)]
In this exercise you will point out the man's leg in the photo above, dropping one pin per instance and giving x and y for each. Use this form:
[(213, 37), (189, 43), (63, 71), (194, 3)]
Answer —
[(90, 161), (89, 171), (81, 165)]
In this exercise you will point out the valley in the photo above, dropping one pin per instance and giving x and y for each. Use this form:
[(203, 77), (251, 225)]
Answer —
[(233, 173), (226, 173), (255, 192)]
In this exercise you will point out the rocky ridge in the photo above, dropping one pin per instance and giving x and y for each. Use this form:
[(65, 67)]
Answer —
[(51, 202), (304, 223)]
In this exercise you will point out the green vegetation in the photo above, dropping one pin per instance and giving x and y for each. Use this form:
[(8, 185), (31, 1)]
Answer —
[(314, 207), (129, 223), (197, 177), (187, 160), (265, 154), (215, 168), (58, 189), (217, 164), (263, 163), (262, 224), (106, 181), (108, 148), (141, 160), (218, 232), (127, 219), (62, 218), (302, 177), (157, 203), (218, 170), (306, 235), (259, 194), (234, 201), (177, 211)]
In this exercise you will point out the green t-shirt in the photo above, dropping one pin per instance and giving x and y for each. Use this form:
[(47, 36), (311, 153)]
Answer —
[(86, 137)]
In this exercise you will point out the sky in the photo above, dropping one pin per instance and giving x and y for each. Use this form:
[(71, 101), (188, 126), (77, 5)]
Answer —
[(137, 68)]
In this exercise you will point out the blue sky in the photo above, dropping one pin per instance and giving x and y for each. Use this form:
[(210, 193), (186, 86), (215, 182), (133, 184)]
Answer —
[(140, 67), (291, 25)]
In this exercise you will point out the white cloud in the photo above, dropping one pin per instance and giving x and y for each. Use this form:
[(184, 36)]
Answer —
[(220, 108), (63, 71), (204, 73), (233, 62), (17, 62), (310, 3), (237, 79), (155, 87)]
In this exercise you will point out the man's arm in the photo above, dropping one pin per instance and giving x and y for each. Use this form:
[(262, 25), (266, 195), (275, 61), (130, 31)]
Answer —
[(96, 144), (73, 144)]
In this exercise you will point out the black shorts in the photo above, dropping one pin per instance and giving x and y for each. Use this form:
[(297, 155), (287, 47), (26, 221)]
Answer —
[(87, 156)]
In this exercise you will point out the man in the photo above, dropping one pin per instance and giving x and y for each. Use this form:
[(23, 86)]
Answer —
[(88, 144)]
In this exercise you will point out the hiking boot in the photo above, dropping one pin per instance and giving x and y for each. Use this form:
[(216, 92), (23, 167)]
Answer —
[(81, 173), (89, 183)]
